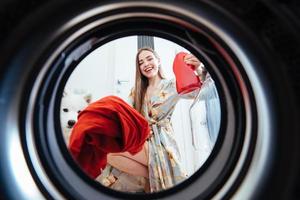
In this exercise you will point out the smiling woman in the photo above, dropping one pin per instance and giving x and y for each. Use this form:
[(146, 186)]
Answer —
[(237, 137), (155, 97)]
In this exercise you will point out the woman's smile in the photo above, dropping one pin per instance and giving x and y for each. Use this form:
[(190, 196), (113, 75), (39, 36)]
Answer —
[(148, 69)]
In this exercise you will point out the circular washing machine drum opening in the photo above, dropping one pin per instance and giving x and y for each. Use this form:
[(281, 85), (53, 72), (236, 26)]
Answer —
[(210, 117), (207, 120)]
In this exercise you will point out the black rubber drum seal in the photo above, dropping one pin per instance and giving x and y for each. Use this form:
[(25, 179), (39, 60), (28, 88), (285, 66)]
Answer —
[(210, 36)]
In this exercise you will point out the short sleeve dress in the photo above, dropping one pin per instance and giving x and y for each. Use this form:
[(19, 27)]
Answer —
[(164, 165)]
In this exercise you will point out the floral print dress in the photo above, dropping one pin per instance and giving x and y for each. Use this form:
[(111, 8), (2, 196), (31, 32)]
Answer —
[(164, 164)]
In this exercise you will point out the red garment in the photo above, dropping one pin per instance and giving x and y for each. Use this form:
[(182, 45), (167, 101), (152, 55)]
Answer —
[(186, 80), (108, 125)]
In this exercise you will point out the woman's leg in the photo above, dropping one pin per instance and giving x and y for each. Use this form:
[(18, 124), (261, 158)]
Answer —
[(140, 157), (127, 165)]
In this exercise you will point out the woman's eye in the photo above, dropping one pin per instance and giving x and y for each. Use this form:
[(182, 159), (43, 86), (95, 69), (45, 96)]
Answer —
[(66, 110)]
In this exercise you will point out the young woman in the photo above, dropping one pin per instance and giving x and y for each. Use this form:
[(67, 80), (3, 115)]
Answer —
[(157, 167)]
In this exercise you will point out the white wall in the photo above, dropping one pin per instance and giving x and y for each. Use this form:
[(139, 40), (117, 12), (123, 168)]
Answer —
[(100, 71)]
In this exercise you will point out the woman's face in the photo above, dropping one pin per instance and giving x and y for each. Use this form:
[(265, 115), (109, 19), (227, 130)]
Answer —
[(148, 64)]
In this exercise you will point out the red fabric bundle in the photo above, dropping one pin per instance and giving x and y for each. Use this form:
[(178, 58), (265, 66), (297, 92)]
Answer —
[(108, 125)]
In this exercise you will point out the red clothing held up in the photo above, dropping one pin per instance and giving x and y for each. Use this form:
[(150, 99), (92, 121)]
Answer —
[(108, 125), (186, 80)]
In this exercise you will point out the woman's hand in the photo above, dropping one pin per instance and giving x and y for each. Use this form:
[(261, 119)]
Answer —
[(198, 66), (190, 59)]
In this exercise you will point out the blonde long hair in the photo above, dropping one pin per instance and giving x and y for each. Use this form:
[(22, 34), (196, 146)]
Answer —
[(141, 82)]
